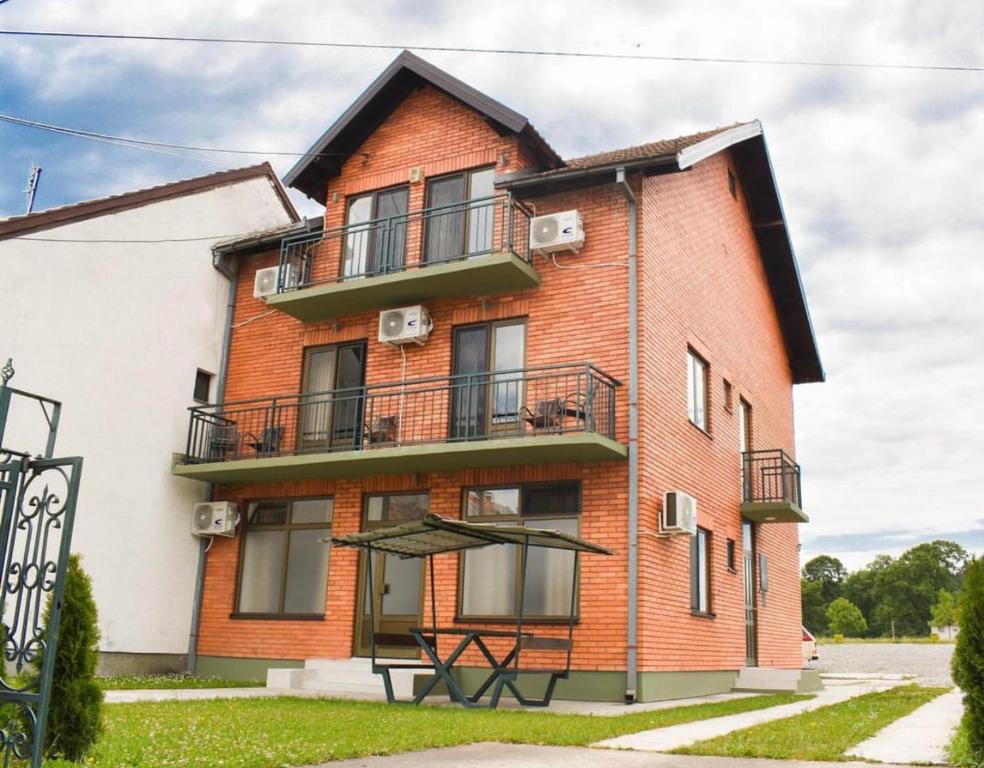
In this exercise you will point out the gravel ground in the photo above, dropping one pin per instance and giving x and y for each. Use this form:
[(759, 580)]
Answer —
[(930, 662)]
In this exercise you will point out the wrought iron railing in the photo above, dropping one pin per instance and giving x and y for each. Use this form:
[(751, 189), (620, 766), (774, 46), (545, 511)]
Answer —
[(413, 240), (770, 477), (559, 399)]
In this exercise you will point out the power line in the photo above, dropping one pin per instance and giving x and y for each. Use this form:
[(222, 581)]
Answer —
[(507, 51), (126, 242), (150, 145)]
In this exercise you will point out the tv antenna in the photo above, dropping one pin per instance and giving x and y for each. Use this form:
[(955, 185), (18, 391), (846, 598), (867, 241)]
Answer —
[(32, 183)]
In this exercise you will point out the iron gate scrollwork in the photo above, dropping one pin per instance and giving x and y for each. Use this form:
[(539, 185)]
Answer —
[(37, 513)]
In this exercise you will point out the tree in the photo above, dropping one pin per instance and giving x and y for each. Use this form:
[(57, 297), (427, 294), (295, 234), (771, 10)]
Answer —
[(846, 618), (75, 713), (968, 657), (814, 610), (945, 612), (829, 572)]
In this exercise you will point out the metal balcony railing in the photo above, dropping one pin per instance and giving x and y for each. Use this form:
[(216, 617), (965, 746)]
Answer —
[(559, 399), (770, 477), (414, 240)]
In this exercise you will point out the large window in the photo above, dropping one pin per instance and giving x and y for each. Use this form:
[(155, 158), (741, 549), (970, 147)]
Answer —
[(284, 562), (490, 577), (700, 573), (697, 390)]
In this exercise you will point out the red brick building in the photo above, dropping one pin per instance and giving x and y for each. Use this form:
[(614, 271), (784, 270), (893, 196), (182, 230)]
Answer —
[(565, 386)]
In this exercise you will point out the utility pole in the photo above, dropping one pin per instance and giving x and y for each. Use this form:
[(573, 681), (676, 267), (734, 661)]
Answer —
[(32, 185)]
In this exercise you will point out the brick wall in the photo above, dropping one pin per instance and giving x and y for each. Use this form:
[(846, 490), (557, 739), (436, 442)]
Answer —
[(704, 286)]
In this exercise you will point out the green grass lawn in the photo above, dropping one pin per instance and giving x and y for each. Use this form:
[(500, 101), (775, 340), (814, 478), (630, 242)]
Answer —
[(136, 682), (257, 733), (823, 734)]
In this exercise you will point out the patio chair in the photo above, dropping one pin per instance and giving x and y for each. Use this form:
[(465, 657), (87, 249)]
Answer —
[(384, 429), (546, 415), (268, 441), (222, 439)]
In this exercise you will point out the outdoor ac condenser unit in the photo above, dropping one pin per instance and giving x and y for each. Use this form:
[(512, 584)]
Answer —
[(679, 514), (562, 231), (265, 282), (405, 325), (214, 518)]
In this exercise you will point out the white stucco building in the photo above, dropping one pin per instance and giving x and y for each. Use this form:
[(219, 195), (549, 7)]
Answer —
[(113, 307)]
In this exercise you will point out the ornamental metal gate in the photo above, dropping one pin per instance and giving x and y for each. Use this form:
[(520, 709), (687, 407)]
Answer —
[(37, 511)]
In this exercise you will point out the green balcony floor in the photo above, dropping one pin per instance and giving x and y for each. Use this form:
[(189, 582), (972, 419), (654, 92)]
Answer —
[(584, 447), (773, 512), (477, 276)]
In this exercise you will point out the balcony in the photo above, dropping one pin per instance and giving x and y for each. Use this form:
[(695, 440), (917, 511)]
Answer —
[(480, 247), (540, 415), (771, 488)]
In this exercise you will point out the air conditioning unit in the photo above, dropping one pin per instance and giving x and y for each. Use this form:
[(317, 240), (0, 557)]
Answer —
[(562, 231), (405, 325), (265, 282), (679, 514), (214, 518)]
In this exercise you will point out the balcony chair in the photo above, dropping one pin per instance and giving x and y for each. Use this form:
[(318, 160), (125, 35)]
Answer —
[(222, 439), (384, 429), (548, 414), (268, 442)]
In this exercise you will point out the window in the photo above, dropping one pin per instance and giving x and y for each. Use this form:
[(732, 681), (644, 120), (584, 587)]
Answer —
[(490, 577), (700, 576), (203, 386), (377, 235), (744, 442), (696, 390), (763, 573), (284, 562), (462, 220), (731, 556)]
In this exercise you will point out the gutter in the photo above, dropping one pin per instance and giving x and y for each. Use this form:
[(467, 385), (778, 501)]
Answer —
[(631, 662), (227, 268)]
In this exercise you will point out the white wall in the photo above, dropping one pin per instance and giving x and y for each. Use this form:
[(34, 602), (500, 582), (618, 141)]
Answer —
[(117, 332)]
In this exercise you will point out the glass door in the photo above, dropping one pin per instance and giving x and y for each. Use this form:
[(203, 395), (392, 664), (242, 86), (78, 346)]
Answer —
[(332, 396), (396, 598), (748, 558), (487, 383), (463, 223), (376, 241)]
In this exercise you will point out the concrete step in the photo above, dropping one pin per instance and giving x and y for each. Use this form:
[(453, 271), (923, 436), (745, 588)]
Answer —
[(766, 679), (342, 677)]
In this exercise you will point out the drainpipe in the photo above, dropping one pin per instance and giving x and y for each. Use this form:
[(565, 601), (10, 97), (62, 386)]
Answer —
[(631, 665), (230, 271)]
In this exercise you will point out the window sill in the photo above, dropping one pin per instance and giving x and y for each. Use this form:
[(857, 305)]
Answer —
[(511, 620), (703, 615), (236, 616), (700, 429)]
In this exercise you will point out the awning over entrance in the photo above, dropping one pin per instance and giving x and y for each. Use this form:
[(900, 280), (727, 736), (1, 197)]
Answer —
[(434, 535)]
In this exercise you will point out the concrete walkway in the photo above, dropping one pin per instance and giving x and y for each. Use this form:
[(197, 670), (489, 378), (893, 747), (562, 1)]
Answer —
[(525, 756), (921, 737), (676, 736)]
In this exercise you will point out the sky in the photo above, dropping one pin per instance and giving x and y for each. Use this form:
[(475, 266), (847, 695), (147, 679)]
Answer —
[(880, 172)]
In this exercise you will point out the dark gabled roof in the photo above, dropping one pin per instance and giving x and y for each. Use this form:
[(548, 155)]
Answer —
[(747, 144), (67, 214), (407, 72)]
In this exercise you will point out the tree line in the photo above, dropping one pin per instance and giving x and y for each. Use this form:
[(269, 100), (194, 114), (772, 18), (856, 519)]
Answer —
[(900, 596)]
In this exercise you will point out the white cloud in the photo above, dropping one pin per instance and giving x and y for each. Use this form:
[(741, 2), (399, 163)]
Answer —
[(879, 170)]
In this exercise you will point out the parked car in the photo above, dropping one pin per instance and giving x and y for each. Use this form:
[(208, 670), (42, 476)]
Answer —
[(809, 647)]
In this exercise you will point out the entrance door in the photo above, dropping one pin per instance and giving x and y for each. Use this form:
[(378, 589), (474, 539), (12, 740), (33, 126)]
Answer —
[(487, 389), (397, 591), (748, 557), (330, 407)]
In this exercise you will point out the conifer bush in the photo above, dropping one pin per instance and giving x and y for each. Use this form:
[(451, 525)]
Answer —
[(75, 711), (968, 657)]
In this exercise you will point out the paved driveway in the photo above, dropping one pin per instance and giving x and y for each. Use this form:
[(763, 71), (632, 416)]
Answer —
[(930, 662)]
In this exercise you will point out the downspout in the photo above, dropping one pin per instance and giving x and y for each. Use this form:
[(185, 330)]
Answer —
[(631, 662), (228, 268)]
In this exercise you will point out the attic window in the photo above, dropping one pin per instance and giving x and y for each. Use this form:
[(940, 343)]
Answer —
[(732, 184)]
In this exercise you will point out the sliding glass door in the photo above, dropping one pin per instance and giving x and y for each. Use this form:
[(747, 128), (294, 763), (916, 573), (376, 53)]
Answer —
[(461, 215), (376, 241)]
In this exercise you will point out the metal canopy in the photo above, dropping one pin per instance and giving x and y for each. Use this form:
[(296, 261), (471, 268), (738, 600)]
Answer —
[(433, 535)]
